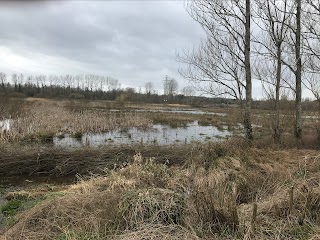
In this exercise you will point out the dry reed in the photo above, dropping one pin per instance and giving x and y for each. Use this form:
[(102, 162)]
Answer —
[(209, 195)]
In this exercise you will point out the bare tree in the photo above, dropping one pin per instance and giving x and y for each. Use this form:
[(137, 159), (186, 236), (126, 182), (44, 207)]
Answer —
[(113, 84), (293, 61), (3, 79), (274, 19), (188, 91), (298, 72), (170, 86), (223, 60), (14, 79), (312, 47), (149, 87)]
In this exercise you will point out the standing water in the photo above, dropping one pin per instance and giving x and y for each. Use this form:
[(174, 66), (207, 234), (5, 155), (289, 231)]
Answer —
[(5, 125), (158, 134)]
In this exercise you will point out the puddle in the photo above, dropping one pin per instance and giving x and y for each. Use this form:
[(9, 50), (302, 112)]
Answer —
[(311, 117), (158, 134), (5, 125)]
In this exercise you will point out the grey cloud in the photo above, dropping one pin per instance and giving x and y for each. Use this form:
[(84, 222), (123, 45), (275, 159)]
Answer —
[(134, 41)]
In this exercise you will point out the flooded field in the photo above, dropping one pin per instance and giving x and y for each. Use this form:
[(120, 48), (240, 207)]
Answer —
[(158, 134), (100, 127)]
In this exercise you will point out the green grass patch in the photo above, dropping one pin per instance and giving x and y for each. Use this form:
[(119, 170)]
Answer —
[(11, 207), (2, 189), (17, 205)]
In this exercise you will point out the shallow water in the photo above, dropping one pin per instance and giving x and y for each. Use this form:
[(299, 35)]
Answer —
[(158, 134), (5, 125), (188, 111)]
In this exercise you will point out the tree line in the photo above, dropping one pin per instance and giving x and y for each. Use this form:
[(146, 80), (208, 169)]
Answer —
[(94, 87), (274, 41), (37, 86)]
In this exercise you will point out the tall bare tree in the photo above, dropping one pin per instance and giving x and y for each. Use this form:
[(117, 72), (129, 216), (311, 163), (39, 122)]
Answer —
[(188, 91), (293, 60), (312, 46), (149, 87), (223, 59), (298, 73), (3, 80), (170, 86), (274, 17)]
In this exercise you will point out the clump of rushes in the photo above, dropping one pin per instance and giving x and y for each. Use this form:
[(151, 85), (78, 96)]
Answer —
[(44, 137), (60, 136), (77, 135)]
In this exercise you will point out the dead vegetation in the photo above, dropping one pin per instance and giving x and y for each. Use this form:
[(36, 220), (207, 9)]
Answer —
[(227, 190), (42, 160), (45, 119), (40, 120), (209, 193)]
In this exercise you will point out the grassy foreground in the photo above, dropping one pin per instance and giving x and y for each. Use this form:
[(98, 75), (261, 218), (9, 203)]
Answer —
[(205, 191)]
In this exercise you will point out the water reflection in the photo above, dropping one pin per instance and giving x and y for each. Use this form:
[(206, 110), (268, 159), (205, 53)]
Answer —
[(189, 111), (5, 125), (158, 134)]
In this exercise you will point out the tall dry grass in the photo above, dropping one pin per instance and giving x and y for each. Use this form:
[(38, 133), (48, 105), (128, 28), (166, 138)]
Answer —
[(43, 119), (210, 197)]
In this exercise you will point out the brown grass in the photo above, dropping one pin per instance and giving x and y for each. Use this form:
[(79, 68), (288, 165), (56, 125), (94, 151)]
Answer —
[(38, 159), (48, 119), (209, 195), (41, 119)]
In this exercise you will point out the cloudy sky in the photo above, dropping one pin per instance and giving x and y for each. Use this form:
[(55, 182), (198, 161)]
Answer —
[(133, 41)]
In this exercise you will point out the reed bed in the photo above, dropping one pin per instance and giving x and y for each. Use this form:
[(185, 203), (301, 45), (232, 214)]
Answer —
[(42, 120), (47, 119)]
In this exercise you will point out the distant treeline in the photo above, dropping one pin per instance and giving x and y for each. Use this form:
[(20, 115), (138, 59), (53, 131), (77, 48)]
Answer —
[(92, 87)]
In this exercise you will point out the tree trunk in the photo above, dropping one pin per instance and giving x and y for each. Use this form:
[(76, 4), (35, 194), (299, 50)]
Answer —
[(298, 122), (248, 102), (277, 131)]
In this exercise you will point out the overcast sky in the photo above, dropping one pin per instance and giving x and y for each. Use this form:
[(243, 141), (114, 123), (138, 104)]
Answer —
[(133, 41)]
